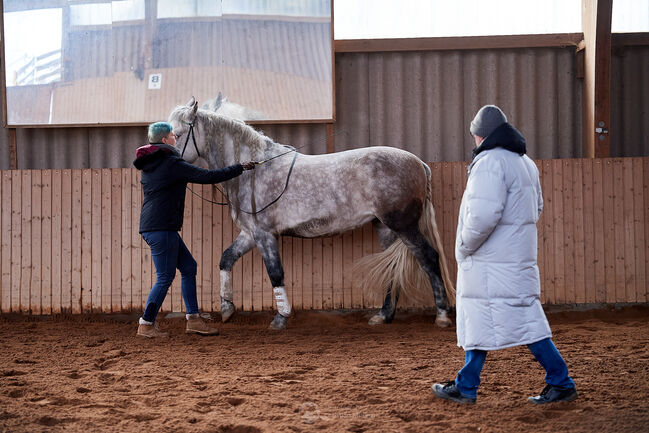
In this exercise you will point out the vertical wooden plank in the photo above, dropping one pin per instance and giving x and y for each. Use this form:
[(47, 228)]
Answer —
[(125, 242), (197, 239), (327, 273), (287, 261), (599, 228), (218, 246), (316, 271), (640, 203), (578, 230), (257, 278), (46, 244), (347, 264), (227, 241), (307, 274), (247, 281), (116, 238), (357, 248), (16, 239), (446, 213), (86, 241), (645, 194), (138, 287), (548, 277), (106, 244), (207, 238), (590, 290), (608, 179), (57, 233), (619, 224), (558, 222), (76, 256), (298, 280), (6, 234), (26, 236), (568, 231), (237, 274), (97, 238), (630, 274), (368, 247), (338, 292), (36, 302), (66, 241), (540, 227)]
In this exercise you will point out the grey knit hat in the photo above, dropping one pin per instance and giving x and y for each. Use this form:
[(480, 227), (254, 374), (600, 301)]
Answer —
[(487, 120), (158, 131)]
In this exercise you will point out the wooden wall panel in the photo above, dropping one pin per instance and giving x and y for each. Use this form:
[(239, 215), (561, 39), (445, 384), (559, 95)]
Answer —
[(71, 242)]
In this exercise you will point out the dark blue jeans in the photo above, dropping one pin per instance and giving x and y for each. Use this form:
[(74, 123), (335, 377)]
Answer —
[(546, 353), (169, 252)]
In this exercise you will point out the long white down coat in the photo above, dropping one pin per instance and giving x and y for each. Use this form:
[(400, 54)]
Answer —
[(498, 285)]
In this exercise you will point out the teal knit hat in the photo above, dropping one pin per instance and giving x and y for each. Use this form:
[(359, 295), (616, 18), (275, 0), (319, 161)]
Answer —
[(158, 131)]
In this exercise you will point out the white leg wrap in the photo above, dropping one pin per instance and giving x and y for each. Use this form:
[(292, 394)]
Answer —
[(226, 285), (283, 307)]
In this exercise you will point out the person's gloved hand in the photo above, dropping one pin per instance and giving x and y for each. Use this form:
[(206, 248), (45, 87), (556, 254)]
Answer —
[(249, 165)]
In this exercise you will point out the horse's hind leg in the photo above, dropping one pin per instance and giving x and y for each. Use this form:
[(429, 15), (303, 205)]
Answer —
[(269, 249), (429, 261), (242, 244), (389, 308)]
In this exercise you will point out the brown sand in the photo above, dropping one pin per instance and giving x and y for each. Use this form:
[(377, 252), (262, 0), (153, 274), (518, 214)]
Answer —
[(327, 372)]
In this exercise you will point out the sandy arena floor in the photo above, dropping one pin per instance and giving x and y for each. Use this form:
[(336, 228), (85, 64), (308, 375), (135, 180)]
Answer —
[(327, 372)]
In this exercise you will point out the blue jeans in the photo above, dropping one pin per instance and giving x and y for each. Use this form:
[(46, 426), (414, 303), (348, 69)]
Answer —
[(545, 352), (169, 252)]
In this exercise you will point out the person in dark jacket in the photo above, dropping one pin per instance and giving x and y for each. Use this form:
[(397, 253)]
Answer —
[(164, 180)]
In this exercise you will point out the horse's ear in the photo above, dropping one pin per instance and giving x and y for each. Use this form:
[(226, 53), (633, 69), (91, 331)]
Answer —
[(191, 102), (194, 108)]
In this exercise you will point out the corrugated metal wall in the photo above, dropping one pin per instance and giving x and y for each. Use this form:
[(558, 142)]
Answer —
[(419, 101), (424, 101), (630, 101)]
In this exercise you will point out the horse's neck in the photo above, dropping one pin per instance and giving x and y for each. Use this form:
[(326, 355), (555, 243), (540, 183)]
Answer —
[(237, 143)]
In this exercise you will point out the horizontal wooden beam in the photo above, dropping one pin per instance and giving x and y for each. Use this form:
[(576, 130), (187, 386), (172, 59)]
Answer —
[(629, 39), (458, 43)]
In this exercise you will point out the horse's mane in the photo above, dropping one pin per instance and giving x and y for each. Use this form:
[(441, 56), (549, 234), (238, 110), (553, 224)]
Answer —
[(242, 134)]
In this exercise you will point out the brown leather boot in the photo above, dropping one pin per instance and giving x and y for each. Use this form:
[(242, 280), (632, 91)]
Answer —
[(196, 325), (151, 331)]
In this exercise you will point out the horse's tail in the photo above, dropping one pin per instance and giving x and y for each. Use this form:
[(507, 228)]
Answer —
[(396, 266)]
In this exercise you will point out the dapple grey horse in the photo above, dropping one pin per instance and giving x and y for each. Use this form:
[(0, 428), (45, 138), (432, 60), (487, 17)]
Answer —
[(293, 194)]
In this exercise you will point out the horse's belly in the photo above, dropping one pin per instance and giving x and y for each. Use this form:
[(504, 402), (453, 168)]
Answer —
[(325, 226)]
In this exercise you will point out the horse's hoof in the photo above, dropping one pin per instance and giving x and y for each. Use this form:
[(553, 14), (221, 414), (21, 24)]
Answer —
[(377, 319), (227, 310), (278, 323), (443, 321)]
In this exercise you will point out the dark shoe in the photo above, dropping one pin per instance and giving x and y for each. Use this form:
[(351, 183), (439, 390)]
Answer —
[(551, 393), (151, 331), (449, 391)]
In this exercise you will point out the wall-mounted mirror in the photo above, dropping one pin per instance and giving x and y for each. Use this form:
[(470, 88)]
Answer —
[(81, 62)]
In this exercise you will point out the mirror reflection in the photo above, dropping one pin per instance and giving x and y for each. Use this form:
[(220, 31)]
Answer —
[(131, 61)]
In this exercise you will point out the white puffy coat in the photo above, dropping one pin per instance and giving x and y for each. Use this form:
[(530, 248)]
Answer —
[(498, 285)]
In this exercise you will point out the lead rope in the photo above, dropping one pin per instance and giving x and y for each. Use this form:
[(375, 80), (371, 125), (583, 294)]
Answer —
[(288, 177)]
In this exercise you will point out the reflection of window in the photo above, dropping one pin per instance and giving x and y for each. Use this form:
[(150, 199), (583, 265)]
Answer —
[(96, 14), (630, 16), (188, 8), (367, 19), (32, 57), (321, 8)]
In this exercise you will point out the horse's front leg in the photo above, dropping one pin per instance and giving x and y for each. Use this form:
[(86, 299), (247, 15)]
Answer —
[(269, 249), (242, 244)]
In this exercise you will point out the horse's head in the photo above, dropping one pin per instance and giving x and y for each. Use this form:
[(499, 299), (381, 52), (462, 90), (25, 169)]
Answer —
[(183, 120)]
